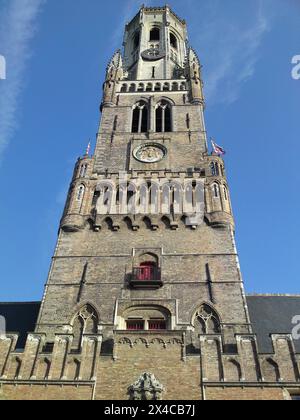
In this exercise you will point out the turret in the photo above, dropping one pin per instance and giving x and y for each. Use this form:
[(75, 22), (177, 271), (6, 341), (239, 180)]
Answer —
[(78, 201), (194, 77), (114, 74), (218, 205)]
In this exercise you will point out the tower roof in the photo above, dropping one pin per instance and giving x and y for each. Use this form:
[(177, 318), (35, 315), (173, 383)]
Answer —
[(159, 9)]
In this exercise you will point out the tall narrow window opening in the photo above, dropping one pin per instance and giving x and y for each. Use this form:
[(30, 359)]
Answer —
[(163, 117), (173, 41), (136, 40), (140, 118), (155, 34), (216, 190)]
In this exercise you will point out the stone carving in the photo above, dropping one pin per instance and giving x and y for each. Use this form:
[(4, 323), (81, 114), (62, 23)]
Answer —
[(147, 343), (147, 388), (150, 153)]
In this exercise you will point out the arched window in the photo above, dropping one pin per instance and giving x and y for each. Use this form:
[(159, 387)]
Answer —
[(216, 190), (136, 40), (85, 322), (149, 87), (141, 87), (140, 118), (155, 34), (80, 193), (213, 169), (124, 88), (166, 87), (225, 193), (132, 88), (83, 171), (96, 197), (175, 86), (207, 321), (163, 117), (157, 87), (173, 41)]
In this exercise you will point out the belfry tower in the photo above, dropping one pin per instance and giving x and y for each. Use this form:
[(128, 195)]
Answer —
[(145, 298), (149, 273)]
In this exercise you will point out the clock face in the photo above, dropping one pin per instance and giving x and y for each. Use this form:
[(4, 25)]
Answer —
[(150, 153), (153, 54)]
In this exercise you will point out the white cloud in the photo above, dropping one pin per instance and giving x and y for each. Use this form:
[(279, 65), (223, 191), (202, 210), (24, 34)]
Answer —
[(231, 49), (17, 28)]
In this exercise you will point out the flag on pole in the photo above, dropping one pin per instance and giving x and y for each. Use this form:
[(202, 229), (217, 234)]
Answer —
[(218, 150), (88, 149)]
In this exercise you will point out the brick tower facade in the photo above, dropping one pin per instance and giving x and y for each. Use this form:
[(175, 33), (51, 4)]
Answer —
[(145, 298)]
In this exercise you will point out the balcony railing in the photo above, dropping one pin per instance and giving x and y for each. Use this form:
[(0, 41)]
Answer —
[(146, 277)]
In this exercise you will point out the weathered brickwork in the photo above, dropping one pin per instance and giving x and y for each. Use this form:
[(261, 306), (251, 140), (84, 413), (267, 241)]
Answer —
[(153, 291)]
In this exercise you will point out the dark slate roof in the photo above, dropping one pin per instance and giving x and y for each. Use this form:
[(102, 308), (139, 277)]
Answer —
[(272, 314), (20, 318)]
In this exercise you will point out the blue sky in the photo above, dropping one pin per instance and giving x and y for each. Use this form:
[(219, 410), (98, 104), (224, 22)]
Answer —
[(56, 53)]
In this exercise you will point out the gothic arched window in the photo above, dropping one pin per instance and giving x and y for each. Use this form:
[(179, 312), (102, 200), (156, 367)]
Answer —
[(213, 169), (83, 171), (80, 193), (163, 117), (173, 41), (225, 193), (140, 118), (207, 320), (85, 322), (155, 34), (216, 190)]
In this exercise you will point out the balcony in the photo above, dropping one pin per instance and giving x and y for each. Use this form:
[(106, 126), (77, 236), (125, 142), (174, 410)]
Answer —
[(146, 277)]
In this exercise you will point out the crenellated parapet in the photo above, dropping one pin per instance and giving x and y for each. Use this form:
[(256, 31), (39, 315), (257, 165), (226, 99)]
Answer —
[(247, 366), (36, 363), (243, 368)]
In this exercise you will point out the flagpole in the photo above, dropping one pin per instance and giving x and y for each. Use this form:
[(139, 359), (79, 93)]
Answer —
[(88, 149)]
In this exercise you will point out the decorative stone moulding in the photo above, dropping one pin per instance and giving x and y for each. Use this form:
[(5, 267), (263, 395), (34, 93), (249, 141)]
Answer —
[(150, 153)]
